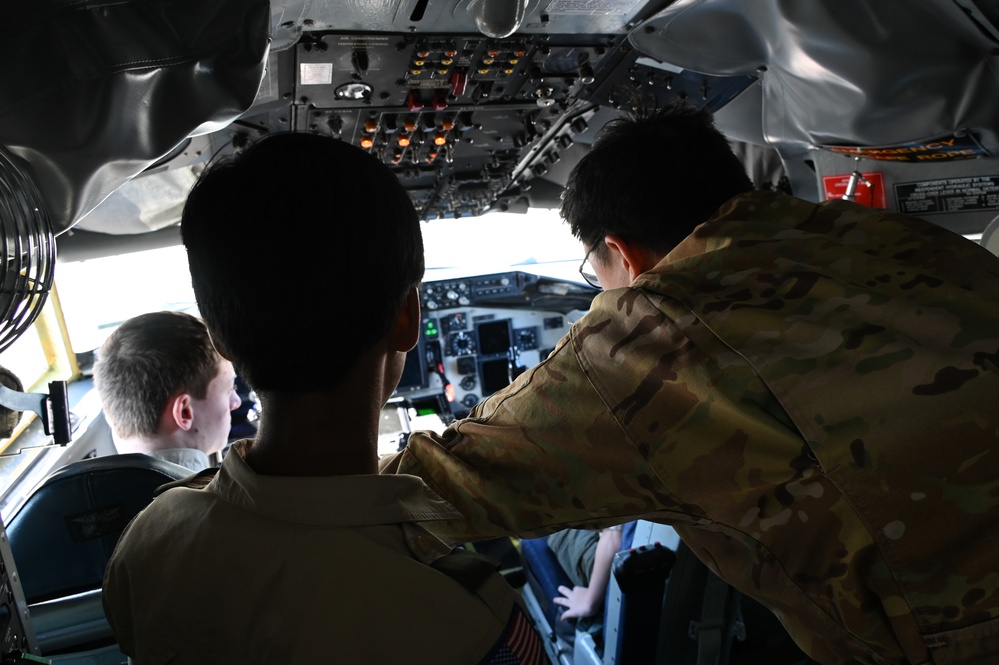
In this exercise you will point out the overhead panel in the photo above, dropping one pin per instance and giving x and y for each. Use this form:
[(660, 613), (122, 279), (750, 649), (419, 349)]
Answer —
[(465, 121)]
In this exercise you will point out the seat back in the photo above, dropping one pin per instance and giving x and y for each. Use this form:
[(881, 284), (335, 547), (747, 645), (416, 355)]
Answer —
[(64, 534), (544, 575), (706, 621), (635, 597)]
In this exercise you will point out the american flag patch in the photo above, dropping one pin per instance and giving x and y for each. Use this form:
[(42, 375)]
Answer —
[(520, 644)]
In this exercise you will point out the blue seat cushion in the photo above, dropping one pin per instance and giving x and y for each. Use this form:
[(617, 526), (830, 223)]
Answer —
[(64, 534), (544, 574)]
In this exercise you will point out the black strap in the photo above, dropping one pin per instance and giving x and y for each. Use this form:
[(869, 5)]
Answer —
[(469, 569), (718, 624)]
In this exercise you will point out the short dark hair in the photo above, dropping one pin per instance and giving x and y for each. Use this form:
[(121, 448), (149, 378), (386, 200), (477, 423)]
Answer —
[(651, 177), (148, 359), (296, 229)]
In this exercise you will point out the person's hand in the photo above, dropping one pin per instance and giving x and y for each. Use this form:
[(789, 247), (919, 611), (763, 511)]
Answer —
[(576, 601)]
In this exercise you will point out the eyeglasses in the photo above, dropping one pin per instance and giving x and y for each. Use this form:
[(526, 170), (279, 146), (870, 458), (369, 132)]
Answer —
[(587, 272)]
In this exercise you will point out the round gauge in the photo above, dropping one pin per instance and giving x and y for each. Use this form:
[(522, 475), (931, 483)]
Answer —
[(354, 90), (467, 383), (466, 365), (470, 400), (461, 343), (527, 339), (456, 321)]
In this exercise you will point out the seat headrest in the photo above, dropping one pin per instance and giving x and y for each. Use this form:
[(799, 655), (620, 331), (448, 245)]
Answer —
[(68, 527)]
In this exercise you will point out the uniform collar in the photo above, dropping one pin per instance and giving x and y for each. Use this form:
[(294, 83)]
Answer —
[(190, 458), (358, 500)]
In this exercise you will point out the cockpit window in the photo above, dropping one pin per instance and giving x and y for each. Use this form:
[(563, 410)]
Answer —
[(537, 242), (98, 294)]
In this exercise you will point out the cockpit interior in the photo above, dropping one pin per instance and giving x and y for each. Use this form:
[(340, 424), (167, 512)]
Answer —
[(110, 111)]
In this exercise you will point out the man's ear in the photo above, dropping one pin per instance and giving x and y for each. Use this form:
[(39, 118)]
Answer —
[(634, 258), (406, 331), (180, 412)]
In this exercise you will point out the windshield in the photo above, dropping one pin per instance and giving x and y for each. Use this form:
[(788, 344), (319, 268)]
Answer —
[(98, 294)]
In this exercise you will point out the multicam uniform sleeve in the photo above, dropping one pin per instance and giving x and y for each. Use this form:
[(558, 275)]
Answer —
[(573, 440), (545, 452)]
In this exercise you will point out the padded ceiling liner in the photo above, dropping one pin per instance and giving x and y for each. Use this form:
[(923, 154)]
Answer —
[(849, 72), (93, 92)]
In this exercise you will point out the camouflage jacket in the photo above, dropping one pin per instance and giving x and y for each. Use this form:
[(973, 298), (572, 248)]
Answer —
[(808, 393)]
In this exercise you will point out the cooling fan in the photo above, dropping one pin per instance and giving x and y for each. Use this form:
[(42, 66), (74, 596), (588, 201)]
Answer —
[(27, 250), (27, 260)]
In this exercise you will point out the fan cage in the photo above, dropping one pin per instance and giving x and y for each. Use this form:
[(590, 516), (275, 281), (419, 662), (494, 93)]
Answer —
[(27, 250)]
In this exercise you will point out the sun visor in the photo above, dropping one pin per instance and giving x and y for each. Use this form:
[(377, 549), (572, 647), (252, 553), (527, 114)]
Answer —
[(844, 73), (92, 93)]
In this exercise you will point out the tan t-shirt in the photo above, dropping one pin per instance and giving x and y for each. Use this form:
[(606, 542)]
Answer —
[(263, 569)]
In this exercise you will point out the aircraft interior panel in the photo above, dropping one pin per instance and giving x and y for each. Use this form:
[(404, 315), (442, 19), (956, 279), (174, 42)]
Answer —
[(464, 120), (482, 349), (479, 333), (960, 193)]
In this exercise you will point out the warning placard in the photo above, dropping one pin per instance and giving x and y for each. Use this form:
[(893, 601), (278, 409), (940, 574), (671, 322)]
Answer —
[(315, 73), (939, 149), (970, 194)]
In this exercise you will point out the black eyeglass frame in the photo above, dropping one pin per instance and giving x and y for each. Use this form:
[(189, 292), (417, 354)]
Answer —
[(589, 277)]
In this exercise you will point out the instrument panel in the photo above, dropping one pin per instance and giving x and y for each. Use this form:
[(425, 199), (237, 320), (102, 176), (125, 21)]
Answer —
[(484, 349), (480, 333)]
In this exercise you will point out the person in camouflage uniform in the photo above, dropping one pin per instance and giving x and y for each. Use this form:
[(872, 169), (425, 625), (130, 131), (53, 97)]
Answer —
[(808, 393)]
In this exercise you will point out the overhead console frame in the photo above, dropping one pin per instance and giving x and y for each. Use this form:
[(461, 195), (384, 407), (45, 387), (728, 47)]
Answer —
[(466, 122)]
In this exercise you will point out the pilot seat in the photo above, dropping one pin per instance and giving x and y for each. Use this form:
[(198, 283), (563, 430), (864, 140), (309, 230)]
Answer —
[(62, 538)]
